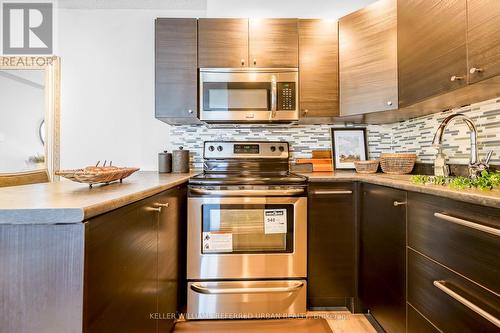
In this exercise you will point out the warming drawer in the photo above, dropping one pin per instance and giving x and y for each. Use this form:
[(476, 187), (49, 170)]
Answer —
[(246, 299)]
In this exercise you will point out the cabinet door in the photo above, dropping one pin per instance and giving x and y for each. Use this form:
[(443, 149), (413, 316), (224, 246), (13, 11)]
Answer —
[(273, 43), (330, 245), (222, 42), (382, 256), (368, 59), (431, 48), (171, 253), (483, 39), (318, 62), (121, 270), (176, 70)]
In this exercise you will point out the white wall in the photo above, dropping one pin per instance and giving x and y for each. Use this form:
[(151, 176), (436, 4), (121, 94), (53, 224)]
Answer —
[(108, 75), (107, 104)]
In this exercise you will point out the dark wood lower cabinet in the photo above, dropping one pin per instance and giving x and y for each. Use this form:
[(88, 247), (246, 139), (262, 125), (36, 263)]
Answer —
[(121, 270), (417, 323), (444, 310), (382, 273), (171, 256), (451, 233), (132, 270), (331, 245)]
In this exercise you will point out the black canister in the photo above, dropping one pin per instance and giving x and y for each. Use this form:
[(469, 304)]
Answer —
[(180, 161), (165, 162)]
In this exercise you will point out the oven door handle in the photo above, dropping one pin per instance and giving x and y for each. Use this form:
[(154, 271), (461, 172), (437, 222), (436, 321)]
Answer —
[(239, 193), (215, 291)]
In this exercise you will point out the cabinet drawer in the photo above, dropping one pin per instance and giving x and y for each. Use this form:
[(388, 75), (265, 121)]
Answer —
[(417, 323), (450, 302), (461, 236)]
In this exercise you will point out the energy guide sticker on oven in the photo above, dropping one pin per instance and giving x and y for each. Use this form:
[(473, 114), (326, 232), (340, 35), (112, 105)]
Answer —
[(217, 242), (275, 221)]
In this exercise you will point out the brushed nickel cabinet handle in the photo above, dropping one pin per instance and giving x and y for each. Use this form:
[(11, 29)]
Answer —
[(158, 207), (163, 205), (331, 192), (486, 315), (457, 78), (190, 111), (474, 70), (199, 288), (399, 203), (389, 103), (469, 224)]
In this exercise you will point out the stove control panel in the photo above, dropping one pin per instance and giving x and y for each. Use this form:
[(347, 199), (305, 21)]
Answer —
[(242, 150)]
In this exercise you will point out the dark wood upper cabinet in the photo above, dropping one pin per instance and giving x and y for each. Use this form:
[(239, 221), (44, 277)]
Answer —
[(176, 79), (318, 62), (368, 59), (483, 38), (273, 43), (222, 43), (432, 48), (382, 257)]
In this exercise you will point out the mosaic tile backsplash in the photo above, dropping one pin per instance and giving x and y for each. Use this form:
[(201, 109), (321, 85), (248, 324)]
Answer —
[(414, 135)]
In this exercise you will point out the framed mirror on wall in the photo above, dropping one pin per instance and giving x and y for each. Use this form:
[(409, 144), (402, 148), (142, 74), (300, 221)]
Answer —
[(29, 119)]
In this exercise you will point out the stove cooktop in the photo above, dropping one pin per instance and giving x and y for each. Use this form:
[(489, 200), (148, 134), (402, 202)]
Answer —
[(250, 179)]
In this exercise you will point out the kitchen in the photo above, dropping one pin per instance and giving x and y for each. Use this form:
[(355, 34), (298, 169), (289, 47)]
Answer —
[(239, 224)]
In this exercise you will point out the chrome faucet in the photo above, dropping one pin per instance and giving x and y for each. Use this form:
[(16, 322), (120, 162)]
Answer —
[(475, 167)]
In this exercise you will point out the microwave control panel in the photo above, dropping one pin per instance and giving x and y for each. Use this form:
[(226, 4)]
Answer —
[(286, 96)]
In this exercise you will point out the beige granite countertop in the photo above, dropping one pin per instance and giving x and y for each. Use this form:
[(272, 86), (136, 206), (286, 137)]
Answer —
[(68, 202), (485, 198)]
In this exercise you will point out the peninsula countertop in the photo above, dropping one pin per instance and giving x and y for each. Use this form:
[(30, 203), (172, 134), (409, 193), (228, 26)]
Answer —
[(474, 196), (68, 202)]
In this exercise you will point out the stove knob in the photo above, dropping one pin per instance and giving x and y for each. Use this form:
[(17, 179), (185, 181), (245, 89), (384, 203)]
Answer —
[(282, 149), (211, 148), (219, 148), (273, 148)]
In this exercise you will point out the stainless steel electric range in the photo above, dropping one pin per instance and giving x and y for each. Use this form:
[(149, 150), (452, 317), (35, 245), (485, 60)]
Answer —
[(247, 233)]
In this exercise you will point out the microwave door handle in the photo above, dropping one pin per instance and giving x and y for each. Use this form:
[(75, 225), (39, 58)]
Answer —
[(274, 98)]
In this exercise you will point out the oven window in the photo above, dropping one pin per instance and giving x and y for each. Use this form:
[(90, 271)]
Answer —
[(236, 96), (247, 229)]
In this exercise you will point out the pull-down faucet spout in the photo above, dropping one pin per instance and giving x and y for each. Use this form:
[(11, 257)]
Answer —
[(475, 167)]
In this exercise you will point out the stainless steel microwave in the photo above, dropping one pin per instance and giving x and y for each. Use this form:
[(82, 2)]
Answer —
[(232, 95)]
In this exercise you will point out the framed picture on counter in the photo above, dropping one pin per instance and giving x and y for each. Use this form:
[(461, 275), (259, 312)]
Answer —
[(348, 145)]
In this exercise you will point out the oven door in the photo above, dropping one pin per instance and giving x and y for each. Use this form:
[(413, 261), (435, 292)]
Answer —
[(247, 237), (246, 95)]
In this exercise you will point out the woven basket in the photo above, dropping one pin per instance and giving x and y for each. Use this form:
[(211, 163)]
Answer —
[(370, 166), (398, 164), (97, 175)]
